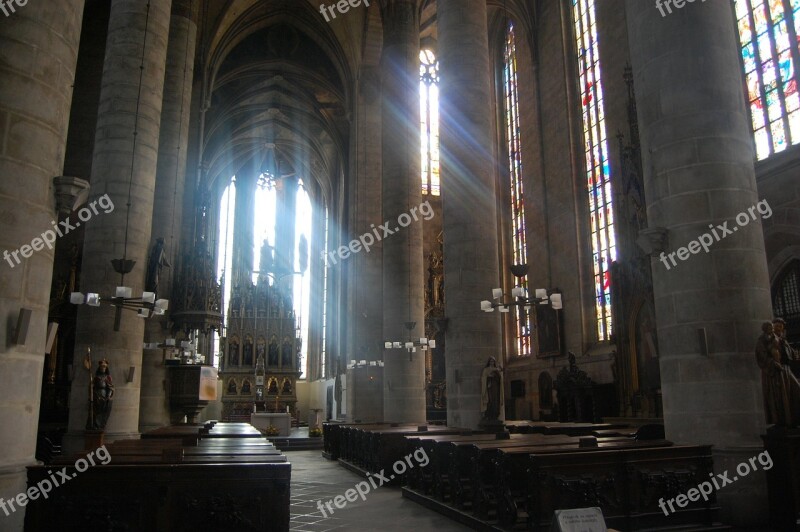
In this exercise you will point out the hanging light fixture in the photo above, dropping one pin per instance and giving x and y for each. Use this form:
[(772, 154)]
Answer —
[(520, 296), (146, 305)]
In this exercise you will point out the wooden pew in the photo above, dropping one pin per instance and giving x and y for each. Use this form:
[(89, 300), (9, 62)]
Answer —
[(502, 473), (626, 484), (229, 481)]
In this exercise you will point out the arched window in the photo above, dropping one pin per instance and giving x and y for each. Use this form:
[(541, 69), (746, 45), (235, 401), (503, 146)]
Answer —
[(302, 284), (323, 347), (598, 174), (786, 300), (522, 327), (768, 33), (429, 118), (227, 206)]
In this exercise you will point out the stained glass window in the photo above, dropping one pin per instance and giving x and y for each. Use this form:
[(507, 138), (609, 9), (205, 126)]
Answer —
[(429, 118), (520, 254), (770, 49), (598, 174)]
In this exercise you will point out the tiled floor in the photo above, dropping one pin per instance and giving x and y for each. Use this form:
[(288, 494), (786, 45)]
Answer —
[(316, 479)]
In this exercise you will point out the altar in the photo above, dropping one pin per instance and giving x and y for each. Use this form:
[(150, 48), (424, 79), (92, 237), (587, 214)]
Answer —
[(281, 421)]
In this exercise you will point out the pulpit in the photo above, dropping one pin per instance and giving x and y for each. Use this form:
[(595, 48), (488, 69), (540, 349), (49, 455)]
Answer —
[(190, 388)]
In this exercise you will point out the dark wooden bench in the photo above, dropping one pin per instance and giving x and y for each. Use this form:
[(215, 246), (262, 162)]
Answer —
[(229, 481), (626, 484)]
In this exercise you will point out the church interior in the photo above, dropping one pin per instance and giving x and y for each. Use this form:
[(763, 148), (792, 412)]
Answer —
[(545, 253)]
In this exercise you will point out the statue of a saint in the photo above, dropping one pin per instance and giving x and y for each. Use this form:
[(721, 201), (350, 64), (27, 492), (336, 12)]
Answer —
[(273, 355), (787, 351), (491, 391), (247, 353), (102, 395), (286, 353), (781, 388), (158, 259)]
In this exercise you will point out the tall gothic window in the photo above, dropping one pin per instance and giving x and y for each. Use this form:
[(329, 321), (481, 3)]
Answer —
[(302, 284), (520, 254), (598, 175), (266, 209), (227, 205), (429, 118), (768, 35)]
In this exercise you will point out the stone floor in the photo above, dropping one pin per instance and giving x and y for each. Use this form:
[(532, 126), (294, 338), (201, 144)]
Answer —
[(314, 478)]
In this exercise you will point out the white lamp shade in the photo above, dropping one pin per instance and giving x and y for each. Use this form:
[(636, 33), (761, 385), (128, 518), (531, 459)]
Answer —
[(170, 341), (497, 293), (158, 311), (123, 291), (503, 309), (541, 293), (518, 291), (409, 345), (423, 341), (432, 344), (163, 304), (77, 298), (387, 345), (148, 297), (397, 345), (486, 305), (93, 300), (555, 300), (144, 313)]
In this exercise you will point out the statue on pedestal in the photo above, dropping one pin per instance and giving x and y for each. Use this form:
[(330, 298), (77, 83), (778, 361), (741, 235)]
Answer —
[(491, 391), (780, 386), (102, 396)]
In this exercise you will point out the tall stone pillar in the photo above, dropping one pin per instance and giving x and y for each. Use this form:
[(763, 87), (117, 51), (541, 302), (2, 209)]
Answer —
[(698, 160), (168, 198), (285, 222), (471, 267), (243, 227), (136, 29), (35, 94), (403, 274)]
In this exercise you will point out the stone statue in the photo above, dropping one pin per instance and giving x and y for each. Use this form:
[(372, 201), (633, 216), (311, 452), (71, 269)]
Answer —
[(247, 353), (781, 388), (102, 395), (286, 353), (273, 355), (158, 259), (787, 351), (491, 391)]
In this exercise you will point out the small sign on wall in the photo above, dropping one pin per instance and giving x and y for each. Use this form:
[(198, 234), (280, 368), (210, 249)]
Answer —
[(579, 520)]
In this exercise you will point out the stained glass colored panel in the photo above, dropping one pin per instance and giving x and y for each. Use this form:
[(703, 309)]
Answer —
[(597, 164), (770, 52), (522, 321), (429, 121)]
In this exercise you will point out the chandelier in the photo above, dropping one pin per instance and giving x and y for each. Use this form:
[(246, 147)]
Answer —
[(411, 344), (520, 297)]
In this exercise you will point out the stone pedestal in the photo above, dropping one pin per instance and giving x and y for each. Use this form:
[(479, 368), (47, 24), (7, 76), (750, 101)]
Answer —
[(783, 478)]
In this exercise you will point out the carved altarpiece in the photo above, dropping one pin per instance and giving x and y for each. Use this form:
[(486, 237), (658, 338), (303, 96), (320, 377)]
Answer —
[(636, 369)]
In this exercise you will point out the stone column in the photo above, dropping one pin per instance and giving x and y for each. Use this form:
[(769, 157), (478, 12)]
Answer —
[(471, 267), (285, 217), (243, 227), (403, 274), (168, 198), (698, 158), (40, 41), (135, 28)]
